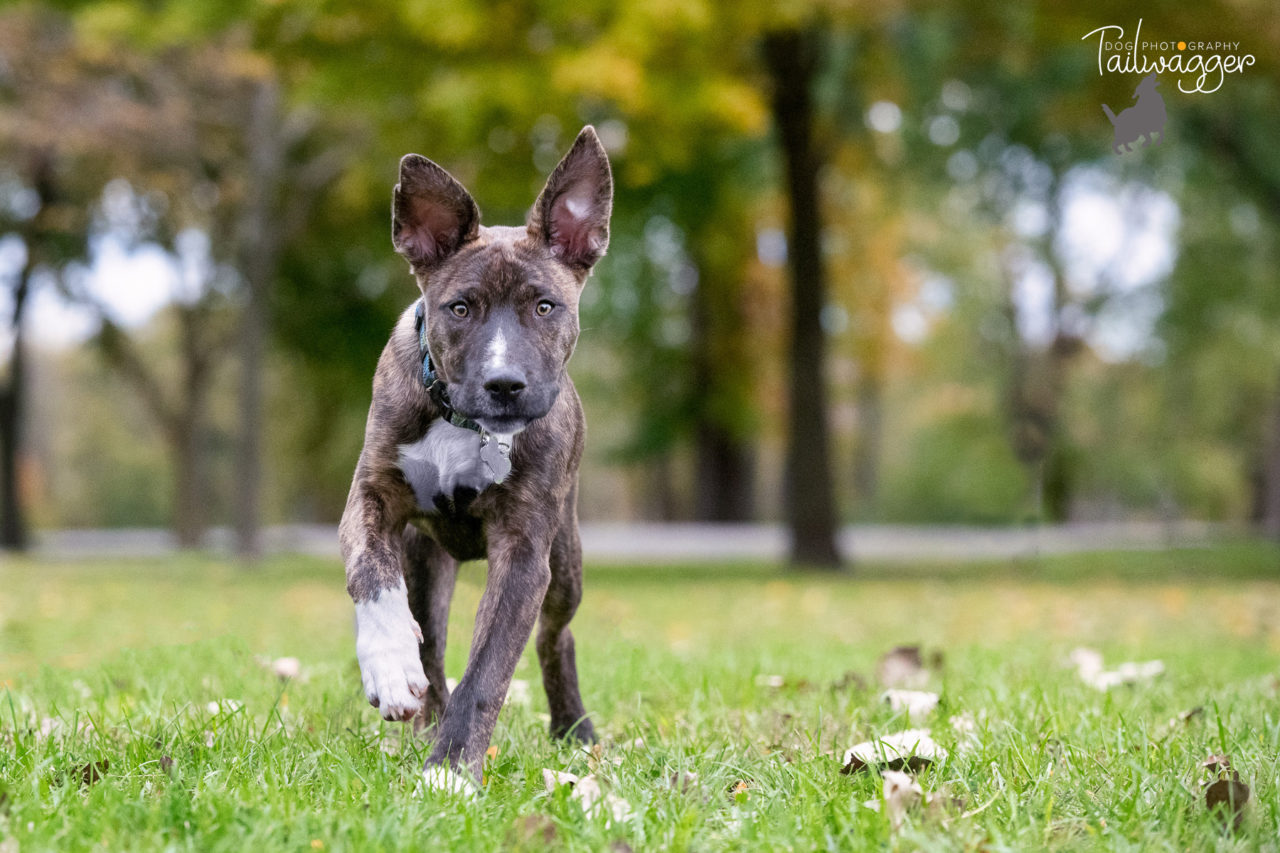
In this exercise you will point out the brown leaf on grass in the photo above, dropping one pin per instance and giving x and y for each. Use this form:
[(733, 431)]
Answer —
[(913, 749), (534, 828), (902, 667), (166, 763), (740, 791), (1227, 797), (1224, 794), (91, 774)]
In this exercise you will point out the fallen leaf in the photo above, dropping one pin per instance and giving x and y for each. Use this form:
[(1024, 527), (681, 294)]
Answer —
[(902, 667), (553, 779), (917, 703), (1089, 666), (1216, 764), (1228, 797), (914, 749), (166, 764), (595, 800), (901, 793), (91, 774)]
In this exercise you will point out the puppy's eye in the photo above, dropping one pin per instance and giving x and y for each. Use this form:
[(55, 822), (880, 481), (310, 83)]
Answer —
[(459, 309), (544, 308)]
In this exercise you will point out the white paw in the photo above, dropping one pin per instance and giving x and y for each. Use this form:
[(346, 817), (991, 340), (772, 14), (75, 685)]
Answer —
[(444, 779), (387, 639)]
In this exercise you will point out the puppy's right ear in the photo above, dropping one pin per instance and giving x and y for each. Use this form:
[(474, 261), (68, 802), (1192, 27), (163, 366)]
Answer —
[(432, 215)]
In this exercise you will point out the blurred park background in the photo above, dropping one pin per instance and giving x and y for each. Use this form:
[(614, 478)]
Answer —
[(883, 252)]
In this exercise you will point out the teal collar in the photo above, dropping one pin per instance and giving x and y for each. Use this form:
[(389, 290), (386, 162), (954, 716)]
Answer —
[(436, 388)]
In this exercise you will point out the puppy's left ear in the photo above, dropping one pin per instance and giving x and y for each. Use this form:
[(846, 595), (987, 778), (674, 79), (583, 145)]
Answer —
[(571, 215)]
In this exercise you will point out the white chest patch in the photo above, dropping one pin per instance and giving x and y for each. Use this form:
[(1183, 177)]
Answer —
[(442, 462)]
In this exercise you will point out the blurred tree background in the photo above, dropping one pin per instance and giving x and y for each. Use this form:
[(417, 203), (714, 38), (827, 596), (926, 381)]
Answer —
[(872, 262)]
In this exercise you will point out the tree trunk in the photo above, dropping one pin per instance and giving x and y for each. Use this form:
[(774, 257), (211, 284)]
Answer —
[(13, 529), (259, 239), (1271, 474), (13, 399), (792, 57)]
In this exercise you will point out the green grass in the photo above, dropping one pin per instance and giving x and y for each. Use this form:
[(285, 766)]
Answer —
[(126, 657)]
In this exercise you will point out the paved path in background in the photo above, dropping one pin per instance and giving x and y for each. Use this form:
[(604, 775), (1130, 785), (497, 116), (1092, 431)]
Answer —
[(669, 543)]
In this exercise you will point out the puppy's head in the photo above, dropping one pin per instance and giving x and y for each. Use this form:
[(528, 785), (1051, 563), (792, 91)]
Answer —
[(501, 302)]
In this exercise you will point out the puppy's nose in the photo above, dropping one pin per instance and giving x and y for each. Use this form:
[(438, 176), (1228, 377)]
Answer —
[(505, 384)]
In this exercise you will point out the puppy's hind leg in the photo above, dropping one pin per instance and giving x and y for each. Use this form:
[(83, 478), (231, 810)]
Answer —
[(430, 574), (555, 640)]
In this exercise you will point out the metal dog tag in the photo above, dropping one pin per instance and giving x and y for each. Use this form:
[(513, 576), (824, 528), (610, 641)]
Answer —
[(496, 456)]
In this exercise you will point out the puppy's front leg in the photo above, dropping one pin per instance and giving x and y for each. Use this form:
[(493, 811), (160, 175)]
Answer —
[(519, 572), (387, 636)]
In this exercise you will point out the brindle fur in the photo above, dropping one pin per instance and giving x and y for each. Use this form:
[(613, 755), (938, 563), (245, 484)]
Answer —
[(526, 526)]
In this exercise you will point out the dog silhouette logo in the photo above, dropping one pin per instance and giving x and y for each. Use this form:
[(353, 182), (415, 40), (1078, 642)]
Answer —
[(1143, 120)]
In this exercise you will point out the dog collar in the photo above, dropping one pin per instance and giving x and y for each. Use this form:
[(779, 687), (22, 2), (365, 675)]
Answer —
[(435, 387), (494, 452)]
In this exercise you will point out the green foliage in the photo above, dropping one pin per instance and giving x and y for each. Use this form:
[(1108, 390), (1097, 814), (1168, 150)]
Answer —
[(495, 91), (956, 468)]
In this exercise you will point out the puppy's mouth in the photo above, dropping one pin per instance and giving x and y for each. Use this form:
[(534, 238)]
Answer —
[(503, 425), (504, 417)]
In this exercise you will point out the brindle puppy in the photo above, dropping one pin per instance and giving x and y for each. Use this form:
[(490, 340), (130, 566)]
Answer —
[(471, 451)]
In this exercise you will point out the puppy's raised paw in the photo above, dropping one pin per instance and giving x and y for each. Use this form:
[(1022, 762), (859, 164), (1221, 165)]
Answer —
[(387, 639)]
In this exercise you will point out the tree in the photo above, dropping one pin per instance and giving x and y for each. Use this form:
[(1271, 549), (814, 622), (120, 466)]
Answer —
[(50, 126), (793, 57)]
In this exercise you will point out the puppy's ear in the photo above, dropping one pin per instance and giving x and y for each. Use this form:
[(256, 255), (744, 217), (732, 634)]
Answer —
[(432, 215), (571, 215)]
